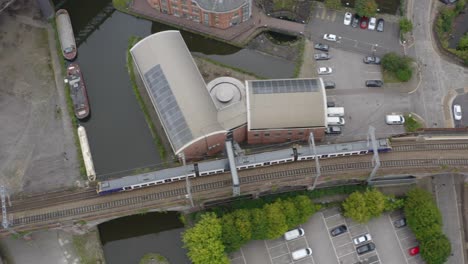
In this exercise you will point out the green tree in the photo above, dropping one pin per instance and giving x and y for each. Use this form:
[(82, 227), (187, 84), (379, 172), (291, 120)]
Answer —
[(367, 8), (260, 227), (405, 25), (460, 6), (275, 220), (237, 229), (355, 208), (436, 250), (333, 4), (305, 207), (422, 214), (375, 202), (392, 203), (463, 43), (291, 214), (204, 243)]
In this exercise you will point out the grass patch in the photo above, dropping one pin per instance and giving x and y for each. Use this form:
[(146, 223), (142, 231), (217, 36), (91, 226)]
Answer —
[(411, 124), (231, 67), (70, 107), (156, 139), (283, 5), (300, 57), (151, 257), (85, 249), (120, 4), (389, 77)]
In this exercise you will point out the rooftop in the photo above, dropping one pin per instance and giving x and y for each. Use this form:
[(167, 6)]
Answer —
[(220, 5)]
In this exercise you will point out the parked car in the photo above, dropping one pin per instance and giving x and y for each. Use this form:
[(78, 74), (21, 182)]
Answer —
[(322, 47), (361, 239), (347, 18), (333, 130), (364, 22), (374, 83), (329, 84), (365, 248), (414, 251), (380, 25), (372, 60), (293, 234), (394, 119), (338, 230), (372, 23), (399, 223), (330, 104), (301, 253), (330, 37), (457, 113), (356, 20), (324, 70), (449, 2), (322, 56)]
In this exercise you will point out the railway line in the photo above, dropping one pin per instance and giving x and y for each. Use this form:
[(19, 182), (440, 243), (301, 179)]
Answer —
[(180, 191)]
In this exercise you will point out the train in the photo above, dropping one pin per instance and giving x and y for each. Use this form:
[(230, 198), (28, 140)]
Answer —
[(242, 162)]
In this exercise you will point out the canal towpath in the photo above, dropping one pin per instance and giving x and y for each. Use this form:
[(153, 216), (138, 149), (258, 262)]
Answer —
[(238, 35)]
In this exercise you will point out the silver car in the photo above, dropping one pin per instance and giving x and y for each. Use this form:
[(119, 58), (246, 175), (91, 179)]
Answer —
[(361, 239)]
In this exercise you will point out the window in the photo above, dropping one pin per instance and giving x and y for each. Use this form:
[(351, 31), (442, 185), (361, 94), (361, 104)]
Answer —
[(206, 19), (256, 135), (266, 134), (289, 133), (278, 134), (300, 133)]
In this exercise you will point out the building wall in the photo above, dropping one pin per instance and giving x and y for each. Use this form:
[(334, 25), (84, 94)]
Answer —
[(191, 11), (271, 136)]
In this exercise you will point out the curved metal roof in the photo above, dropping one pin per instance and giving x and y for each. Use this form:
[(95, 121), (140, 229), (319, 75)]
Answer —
[(176, 88), (220, 6)]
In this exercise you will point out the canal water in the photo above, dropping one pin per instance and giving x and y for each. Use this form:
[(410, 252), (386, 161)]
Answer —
[(119, 137), (126, 240)]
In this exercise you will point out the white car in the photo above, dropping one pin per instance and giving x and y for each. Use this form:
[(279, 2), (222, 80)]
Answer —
[(347, 18), (329, 37), (324, 70), (301, 253), (372, 23), (457, 113), (361, 239), (293, 234)]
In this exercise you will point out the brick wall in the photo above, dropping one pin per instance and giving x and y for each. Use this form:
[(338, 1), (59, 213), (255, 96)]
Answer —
[(283, 135)]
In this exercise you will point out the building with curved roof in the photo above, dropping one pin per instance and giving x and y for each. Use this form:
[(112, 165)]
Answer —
[(214, 13), (192, 122)]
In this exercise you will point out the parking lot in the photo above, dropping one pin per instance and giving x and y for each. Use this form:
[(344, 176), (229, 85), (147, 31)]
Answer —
[(461, 100), (392, 244)]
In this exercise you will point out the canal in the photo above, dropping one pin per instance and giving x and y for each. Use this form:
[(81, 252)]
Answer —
[(126, 240), (118, 135)]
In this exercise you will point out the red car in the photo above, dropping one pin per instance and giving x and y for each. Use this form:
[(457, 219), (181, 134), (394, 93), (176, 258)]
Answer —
[(414, 251), (364, 22)]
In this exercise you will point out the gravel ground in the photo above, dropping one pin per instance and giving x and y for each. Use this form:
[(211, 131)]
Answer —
[(37, 151)]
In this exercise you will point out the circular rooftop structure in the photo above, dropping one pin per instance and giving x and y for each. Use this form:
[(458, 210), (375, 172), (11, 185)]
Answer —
[(226, 91)]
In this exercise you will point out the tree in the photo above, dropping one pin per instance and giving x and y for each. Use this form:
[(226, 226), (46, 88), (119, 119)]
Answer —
[(260, 227), (204, 243), (367, 8), (422, 214), (405, 25), (375, 202), (291, 214), (275, 220), (460, 6), (237, 229), (333, 4), (436, 250), (463, 43), (305, 207), (355, 208)]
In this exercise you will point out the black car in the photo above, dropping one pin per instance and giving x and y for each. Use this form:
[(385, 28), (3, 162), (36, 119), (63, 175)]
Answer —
[(322, 56), (380, 25), (322, 47), (372, 60), (330, 104), (329, 84), (399, 223), (338, 230), (374, 83), (449, 2), (356, 20), (333, 130), (365, 248)]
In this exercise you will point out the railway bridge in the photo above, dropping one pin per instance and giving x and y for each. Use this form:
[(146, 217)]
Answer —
[(83, 208)]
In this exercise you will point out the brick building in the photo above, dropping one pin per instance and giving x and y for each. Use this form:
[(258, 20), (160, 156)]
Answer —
[(214, 13), (198, 117)]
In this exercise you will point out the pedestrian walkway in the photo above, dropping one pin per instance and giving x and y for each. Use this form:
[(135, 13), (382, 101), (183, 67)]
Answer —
[(239, 35)]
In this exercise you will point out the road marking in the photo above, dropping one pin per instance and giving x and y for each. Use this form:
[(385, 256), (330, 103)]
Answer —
[(324, 12), (268, 251), (330, 216), (243, 257), (307, 244), (333, 17), (331, 241), (399, 243)]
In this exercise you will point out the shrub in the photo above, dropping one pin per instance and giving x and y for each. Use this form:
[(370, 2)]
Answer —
[(411, 124), (333, 4), (398, 65), (463, 43), (436, 249), (405, 25), (367, 8), (404, 74)]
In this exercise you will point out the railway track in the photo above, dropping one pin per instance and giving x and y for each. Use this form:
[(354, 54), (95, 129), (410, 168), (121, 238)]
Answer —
[(55, 215), (429, 147)]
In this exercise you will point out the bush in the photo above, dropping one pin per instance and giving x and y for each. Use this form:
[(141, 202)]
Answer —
[(404, 74), (398, 66), (411, 124), (405, 25), (463, 43), (367, 8), (436, 249), (333, 4)]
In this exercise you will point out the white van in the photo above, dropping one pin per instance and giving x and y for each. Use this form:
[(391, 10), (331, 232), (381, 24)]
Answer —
[(394, 119), (335, 121), (293, 234), (335, 111), (301, 253)]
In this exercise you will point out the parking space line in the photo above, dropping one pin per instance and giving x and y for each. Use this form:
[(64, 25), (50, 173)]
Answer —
[(307, 244), (331, 240), (324, 12), (333, 16), (399, 243), (376, 251), (243, 256), (329, 216), (268, 251)]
